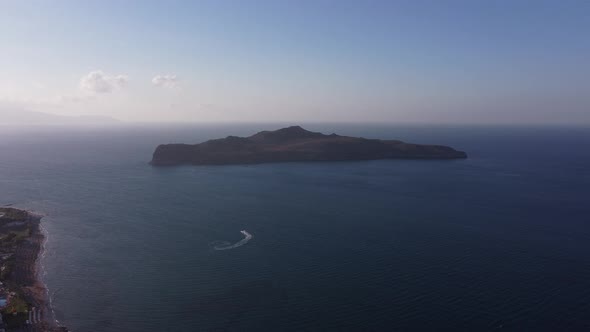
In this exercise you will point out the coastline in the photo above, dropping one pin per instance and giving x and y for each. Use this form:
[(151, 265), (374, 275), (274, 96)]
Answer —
[(26, 280)]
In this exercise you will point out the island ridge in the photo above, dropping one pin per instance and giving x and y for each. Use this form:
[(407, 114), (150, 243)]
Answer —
[(295, 144)]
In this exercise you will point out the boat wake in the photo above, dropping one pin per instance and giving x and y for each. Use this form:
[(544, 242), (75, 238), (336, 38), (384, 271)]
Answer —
[(224, 245)]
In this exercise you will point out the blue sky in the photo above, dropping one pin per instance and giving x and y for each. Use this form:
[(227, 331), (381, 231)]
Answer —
[(371, 61)]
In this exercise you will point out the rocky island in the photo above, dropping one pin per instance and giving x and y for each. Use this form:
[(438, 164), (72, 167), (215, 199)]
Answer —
[(24, 304), (295, 144)]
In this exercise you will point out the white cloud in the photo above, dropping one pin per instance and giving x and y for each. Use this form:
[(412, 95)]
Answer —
[(165, 81), (99, 82)]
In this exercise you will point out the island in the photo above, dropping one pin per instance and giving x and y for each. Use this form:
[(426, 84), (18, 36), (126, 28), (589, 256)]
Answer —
[(24, 302), (295, 144)]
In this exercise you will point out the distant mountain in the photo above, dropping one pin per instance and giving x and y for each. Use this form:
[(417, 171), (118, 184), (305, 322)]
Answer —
[(25, 117), (295, 144)]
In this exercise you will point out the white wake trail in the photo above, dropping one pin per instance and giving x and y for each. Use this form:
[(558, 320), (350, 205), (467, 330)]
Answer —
[(227, 245)]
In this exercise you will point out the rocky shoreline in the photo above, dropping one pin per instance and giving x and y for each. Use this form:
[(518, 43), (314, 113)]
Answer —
[(26, 306)]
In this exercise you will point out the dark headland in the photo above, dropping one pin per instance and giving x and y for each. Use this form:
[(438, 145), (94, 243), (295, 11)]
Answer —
[(295, 144)]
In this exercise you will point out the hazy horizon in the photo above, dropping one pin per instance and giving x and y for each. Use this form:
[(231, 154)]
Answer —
[(457, 62), (25, 118)]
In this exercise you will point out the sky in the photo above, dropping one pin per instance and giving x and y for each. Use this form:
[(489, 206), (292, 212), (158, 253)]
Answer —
[(448, 62)]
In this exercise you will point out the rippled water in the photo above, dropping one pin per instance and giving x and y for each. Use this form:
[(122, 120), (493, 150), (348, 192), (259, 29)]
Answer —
[(500, 240)]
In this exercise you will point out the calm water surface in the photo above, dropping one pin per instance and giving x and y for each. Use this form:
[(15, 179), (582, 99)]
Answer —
[(498, 241)]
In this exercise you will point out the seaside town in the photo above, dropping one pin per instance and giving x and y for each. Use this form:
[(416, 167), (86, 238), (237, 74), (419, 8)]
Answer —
[(23, 298)]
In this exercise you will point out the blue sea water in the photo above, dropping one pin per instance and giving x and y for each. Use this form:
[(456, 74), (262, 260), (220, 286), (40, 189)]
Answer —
[(500, 240)]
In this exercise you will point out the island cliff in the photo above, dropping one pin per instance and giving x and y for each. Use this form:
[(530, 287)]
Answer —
[(295, 144)]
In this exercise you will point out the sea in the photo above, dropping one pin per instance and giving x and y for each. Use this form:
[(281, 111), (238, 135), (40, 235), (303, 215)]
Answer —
[(498, 241)]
